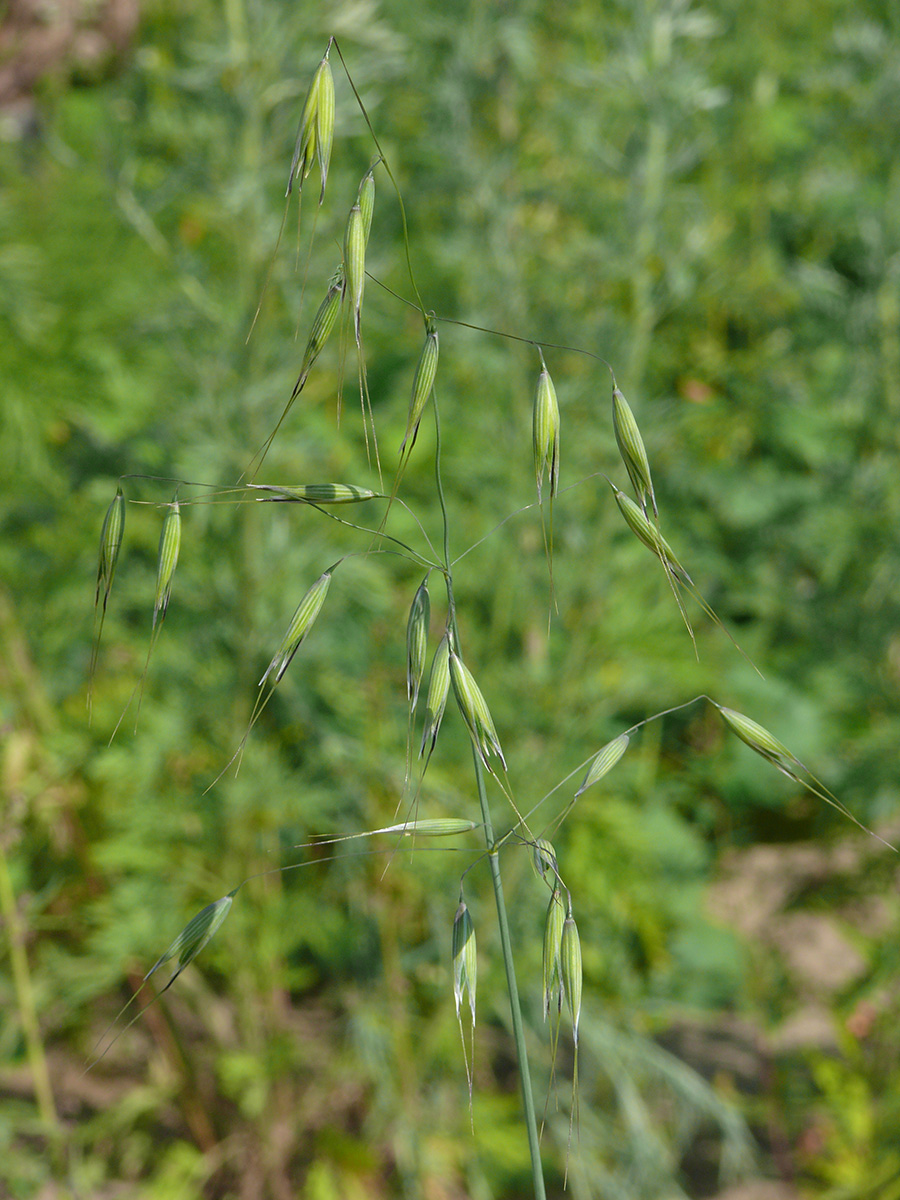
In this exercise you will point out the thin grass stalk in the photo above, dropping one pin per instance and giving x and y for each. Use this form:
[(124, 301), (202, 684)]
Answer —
[(531, 1126)]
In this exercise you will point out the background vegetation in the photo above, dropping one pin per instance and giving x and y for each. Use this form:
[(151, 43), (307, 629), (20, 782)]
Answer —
[(709, 197)]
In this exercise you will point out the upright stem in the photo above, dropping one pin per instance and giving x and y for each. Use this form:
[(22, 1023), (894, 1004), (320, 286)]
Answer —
[(494, 861)]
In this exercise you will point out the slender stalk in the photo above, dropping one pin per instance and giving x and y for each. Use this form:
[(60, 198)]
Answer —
[(34, 1045), (494, 860)]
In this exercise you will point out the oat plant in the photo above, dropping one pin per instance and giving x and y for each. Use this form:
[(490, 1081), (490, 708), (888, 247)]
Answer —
[(505, 821)]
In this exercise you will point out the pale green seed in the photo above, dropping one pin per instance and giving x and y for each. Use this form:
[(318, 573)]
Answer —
[(570, 970), (301, 623), (631, 448), (305, 146), (438, 687), (553, 931), (314, 493), (324, 119), (604, 761), (169, 545), (543, 861), (195, 934), (475, 711), (432, 827), (110, 544), (323, 323), (647, 533), (465, 960), (366, 202), (545, 433), (417, 642), (355, 264), (423, 383), (755, 736)]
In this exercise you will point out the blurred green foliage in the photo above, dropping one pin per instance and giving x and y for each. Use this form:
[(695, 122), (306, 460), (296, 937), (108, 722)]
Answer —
[(709, 198)]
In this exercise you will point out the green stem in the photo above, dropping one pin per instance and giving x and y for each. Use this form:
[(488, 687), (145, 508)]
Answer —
[(25, 998), (494, 860)]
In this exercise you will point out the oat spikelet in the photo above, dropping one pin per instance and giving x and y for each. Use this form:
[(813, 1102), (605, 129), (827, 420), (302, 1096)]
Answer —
[(553, 931), (111, 536), (545, 432), (543, 861), (631, 448), (324, 120), (416, 642), (323, 323), (301, 623), (314, 493), (186, 946), (604, 761), (475, 712), (423, 383), (366, 202), (355, 265), (465, 974), (316, 130), (768, 747), (436, 701), (169, 546)]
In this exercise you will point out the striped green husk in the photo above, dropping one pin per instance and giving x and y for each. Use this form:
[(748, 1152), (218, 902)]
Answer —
[(305, 146), (169, 545), (604, 761), (647, 533), (756, 737), (631, 448), (355, 264), (417, 642), (475, 711), (323, 323), (314, 493), (543, 861), (570, 970), (110, 544), (465, 960), (438, 687), (301, 623), (432, 827), (423, 383), (324, 120), (366, 202), (316, 130), (553, 930), (545, 433), (195, 934)]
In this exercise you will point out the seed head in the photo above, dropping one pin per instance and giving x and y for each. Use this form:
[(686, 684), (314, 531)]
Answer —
[(195, 934), (553, 931), (543, 860), (366, 202), (475, 711), (465, 962), (604, 761), (631, 448), (438, 687), (314, 493), (110, 544), (301, 623), (416, 642), (545, 433), (646, 532), (323, 323), (355, 264), (756, 737), (423, 383), (169, 545), (324, 121), (570, 970)]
